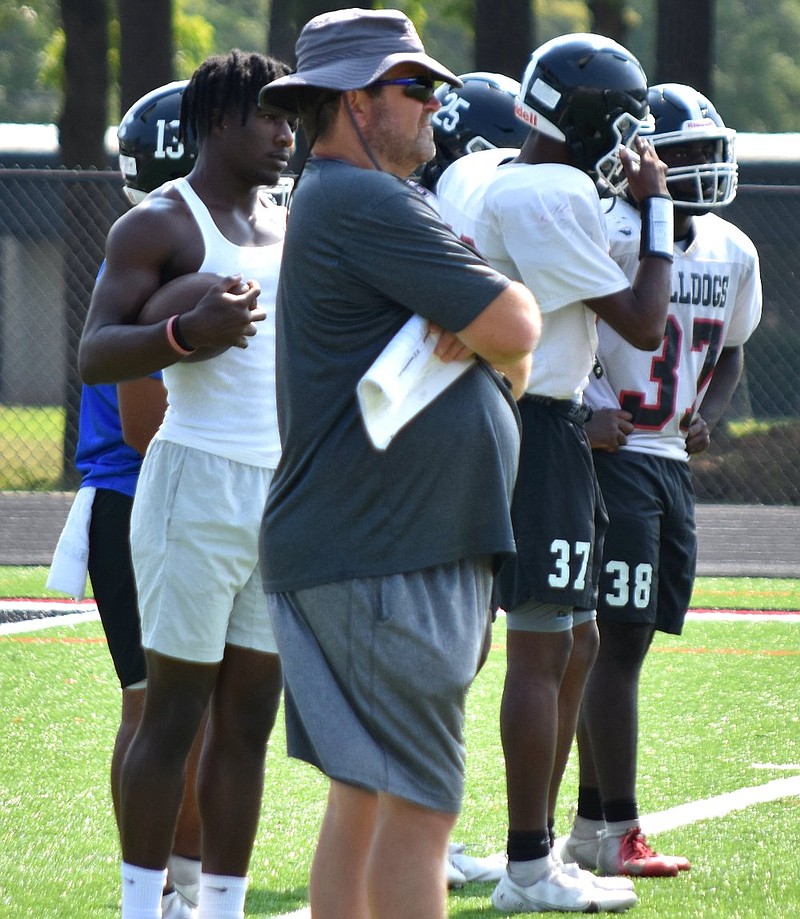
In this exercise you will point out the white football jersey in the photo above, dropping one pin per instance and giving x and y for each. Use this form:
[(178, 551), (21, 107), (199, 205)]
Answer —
[(715, 303), (543, 225)]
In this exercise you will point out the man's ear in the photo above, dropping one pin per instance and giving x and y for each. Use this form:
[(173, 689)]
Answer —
[(354, 99)]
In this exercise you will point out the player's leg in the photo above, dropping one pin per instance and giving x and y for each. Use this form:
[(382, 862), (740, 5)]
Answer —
[(231, 774), (637, 501), (114, 588), (585, 645), (153, 773), (536, 661)]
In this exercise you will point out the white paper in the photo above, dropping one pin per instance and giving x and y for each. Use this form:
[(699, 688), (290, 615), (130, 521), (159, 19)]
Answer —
[(71, 559), (405, 377)]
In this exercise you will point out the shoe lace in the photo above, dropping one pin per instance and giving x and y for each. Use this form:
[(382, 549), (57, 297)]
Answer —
[(635, 845)]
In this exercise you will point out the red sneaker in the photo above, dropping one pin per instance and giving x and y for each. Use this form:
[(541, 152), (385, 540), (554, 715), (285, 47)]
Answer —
[(630, 854)]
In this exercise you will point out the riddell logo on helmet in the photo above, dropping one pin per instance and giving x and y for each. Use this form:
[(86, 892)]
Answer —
[(700, 123), (526, 115)]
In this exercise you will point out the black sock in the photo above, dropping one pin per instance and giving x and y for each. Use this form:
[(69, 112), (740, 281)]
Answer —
[(621, 810), (524, 846)]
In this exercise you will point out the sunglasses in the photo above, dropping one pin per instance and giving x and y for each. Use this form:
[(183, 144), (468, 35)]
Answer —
[(419, 88)]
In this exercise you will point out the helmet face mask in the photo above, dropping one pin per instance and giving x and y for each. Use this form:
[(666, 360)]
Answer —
[(699, 150), (149, 150), (609, 171), (590, 93)]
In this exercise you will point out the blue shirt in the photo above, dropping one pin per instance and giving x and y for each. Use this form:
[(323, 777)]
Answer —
[(102, 456)]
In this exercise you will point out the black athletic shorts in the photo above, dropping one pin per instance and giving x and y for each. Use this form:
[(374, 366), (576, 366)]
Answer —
[(557, 511), (650, 549), (114, 585)]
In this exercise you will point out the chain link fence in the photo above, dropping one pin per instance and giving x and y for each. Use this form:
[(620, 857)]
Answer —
[(53, 224)]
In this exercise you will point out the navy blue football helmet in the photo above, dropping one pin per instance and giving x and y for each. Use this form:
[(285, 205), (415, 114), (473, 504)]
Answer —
[(699, 150), (590, 93), (149, 150), (476, 116)]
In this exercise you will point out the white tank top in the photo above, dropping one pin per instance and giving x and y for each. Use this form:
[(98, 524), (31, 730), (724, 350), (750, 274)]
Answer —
[(226, 405)]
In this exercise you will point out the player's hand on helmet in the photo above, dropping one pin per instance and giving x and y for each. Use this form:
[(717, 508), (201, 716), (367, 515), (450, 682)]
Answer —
[(225, 316), (646, 173), (608, 429), (698, 438)]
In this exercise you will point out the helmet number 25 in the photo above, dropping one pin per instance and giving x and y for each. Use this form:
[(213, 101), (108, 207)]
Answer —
[(449, 115)]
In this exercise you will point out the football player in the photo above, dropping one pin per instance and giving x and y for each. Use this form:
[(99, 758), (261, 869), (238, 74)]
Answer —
[(203, 483), (537, 216), (652, 411), (108, 456)]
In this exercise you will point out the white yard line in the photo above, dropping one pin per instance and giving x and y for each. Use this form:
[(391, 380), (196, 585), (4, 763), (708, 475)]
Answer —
[(45, 620), (721, 805)]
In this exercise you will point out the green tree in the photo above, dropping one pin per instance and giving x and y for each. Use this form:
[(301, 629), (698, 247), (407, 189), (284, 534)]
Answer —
[(24, 31), (756, 84)]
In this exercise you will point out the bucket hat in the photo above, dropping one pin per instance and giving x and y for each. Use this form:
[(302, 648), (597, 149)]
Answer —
[(349, 49)]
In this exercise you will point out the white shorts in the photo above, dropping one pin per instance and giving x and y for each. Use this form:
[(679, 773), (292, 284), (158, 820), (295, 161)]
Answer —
[(194, 543)]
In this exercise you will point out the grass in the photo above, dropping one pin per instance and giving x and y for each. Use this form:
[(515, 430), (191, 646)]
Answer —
[(709, 593), (719, 712), (31, 447)]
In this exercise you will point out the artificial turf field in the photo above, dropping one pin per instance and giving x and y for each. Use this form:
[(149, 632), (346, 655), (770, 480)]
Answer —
[(719, 773)]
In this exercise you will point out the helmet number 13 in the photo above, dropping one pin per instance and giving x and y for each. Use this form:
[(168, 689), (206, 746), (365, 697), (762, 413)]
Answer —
[(173, 150)]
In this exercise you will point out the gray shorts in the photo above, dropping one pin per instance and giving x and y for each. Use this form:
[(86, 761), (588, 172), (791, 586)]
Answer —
[(194, 543), (547, 617), (376, 672)]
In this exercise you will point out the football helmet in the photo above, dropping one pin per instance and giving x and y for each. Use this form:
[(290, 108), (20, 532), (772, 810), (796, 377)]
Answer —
[(149, 150), (704, 176), (591, 93), (476, 116)]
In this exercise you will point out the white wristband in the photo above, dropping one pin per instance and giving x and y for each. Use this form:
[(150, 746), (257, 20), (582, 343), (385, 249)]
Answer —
[(658, 231)]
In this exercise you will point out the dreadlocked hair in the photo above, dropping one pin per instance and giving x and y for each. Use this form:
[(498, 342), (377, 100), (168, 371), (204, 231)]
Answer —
[(225, 82)]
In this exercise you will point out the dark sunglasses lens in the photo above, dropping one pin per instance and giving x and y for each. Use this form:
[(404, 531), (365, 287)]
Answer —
[(422, 90)]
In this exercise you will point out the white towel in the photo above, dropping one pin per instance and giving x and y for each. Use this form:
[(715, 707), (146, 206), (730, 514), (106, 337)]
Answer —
[(405, 377), (70, 563)]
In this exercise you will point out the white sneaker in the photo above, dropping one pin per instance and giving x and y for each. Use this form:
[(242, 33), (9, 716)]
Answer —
[(455, 877), (571, 869), (485, 869), (582, 851), (173, 906), (189, 893), (556, 891)]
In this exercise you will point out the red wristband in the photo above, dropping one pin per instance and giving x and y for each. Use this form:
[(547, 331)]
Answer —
[(172, 338)]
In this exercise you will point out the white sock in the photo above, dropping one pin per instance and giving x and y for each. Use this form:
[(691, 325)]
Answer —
[(141, 891), (184, 875), (582, 828), (527, 873), (221, 896)]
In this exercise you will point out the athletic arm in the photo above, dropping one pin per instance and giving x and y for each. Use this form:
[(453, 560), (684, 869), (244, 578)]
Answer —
[(720, 391), (142, 404), (639, 312), (146, 247)]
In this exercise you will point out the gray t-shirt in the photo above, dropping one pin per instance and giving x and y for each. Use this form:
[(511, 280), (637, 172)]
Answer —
[(363, 252)]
